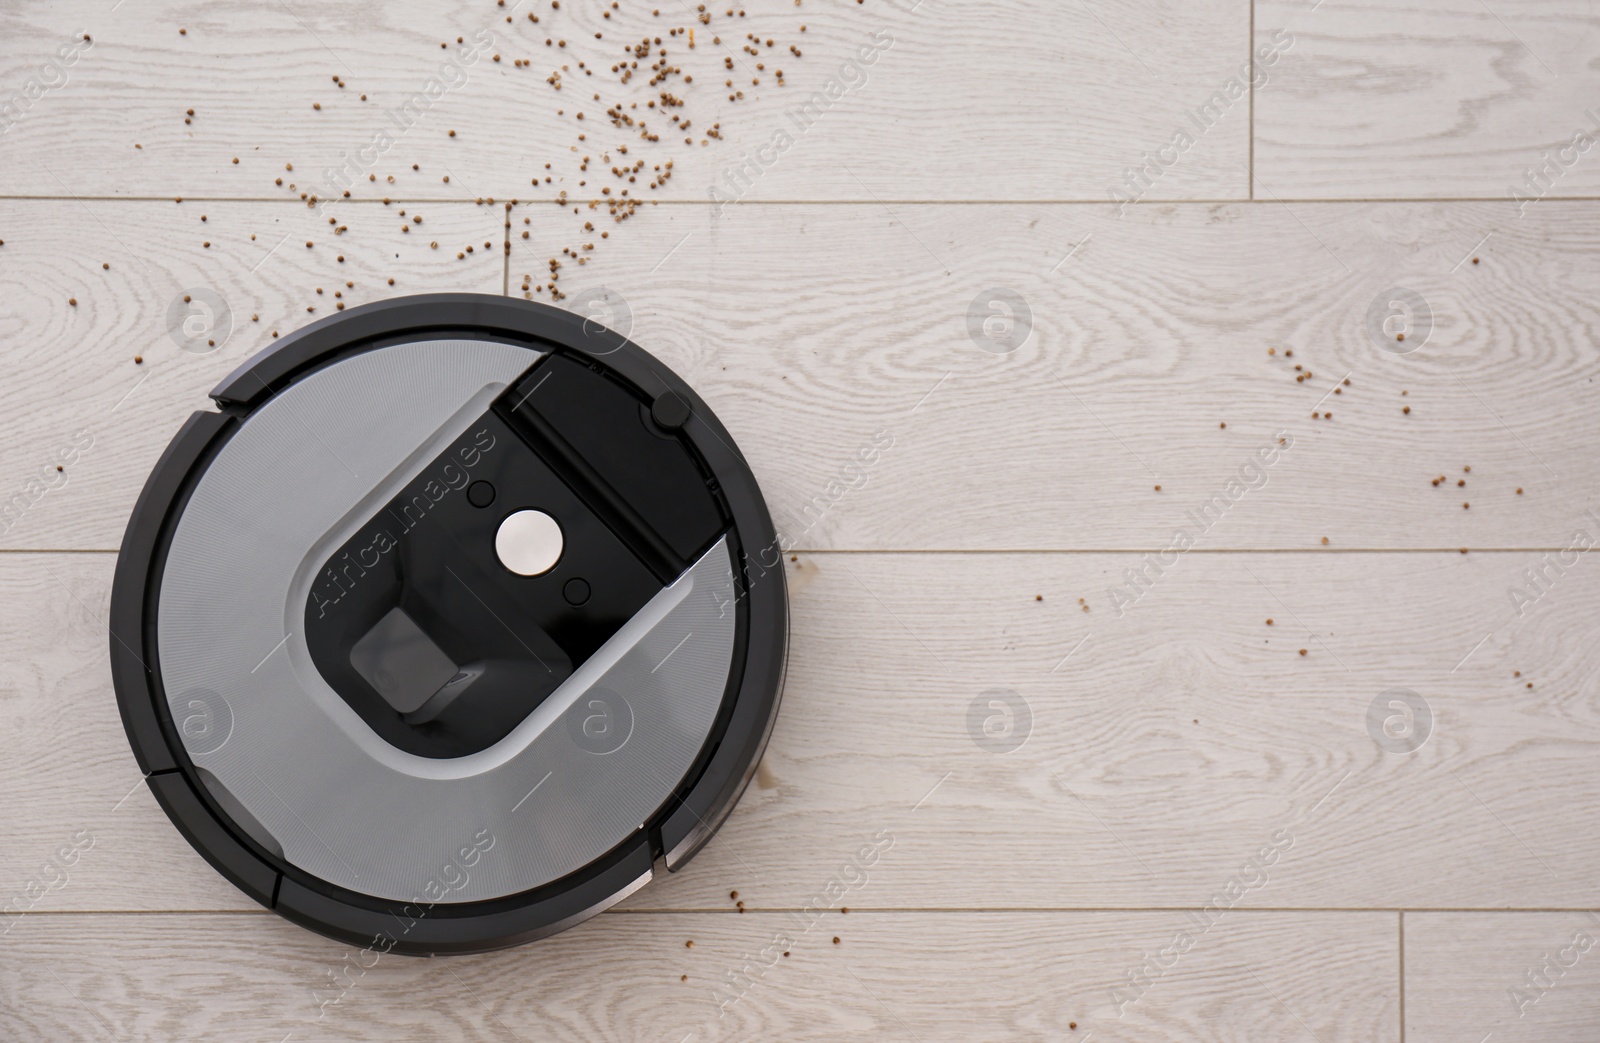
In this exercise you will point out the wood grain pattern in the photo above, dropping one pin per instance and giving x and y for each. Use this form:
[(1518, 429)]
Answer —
[(73, 365), (1434, 98), (948, 504), (1152, 335), (1505, 977), (1080, 96), (1149, 332), (918, 976), (1167, 745)]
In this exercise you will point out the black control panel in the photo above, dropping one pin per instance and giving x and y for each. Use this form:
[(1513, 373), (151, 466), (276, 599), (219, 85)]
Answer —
[(443, 650)]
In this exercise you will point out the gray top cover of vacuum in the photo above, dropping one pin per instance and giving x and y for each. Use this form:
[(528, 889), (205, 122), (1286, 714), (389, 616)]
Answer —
[(313, 780)]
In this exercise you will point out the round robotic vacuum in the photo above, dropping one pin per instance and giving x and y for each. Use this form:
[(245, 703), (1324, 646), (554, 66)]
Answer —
[(459, 620)]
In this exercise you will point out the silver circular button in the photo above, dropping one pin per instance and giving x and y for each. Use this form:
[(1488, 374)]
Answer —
[(528, 543)]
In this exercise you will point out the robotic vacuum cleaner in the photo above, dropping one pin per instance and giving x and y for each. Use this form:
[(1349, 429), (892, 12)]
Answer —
[(456, 622)]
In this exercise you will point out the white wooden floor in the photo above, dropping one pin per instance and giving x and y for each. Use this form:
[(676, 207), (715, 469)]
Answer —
[(1203, 836)]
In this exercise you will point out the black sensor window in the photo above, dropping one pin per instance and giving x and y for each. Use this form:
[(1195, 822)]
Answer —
[(401, 662)]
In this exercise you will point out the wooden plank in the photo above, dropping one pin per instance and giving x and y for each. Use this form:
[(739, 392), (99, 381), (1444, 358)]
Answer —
[(949, 100), (1444, 98), (925, 976), (1144, 341), (1504, 977), (74, 387), (76, 782), (816, 332), (1166, 746)]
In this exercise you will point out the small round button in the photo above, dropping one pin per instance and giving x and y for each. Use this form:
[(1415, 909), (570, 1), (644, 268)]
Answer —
[(670, 411), (480, 494), (576, 591), (528, 543)]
